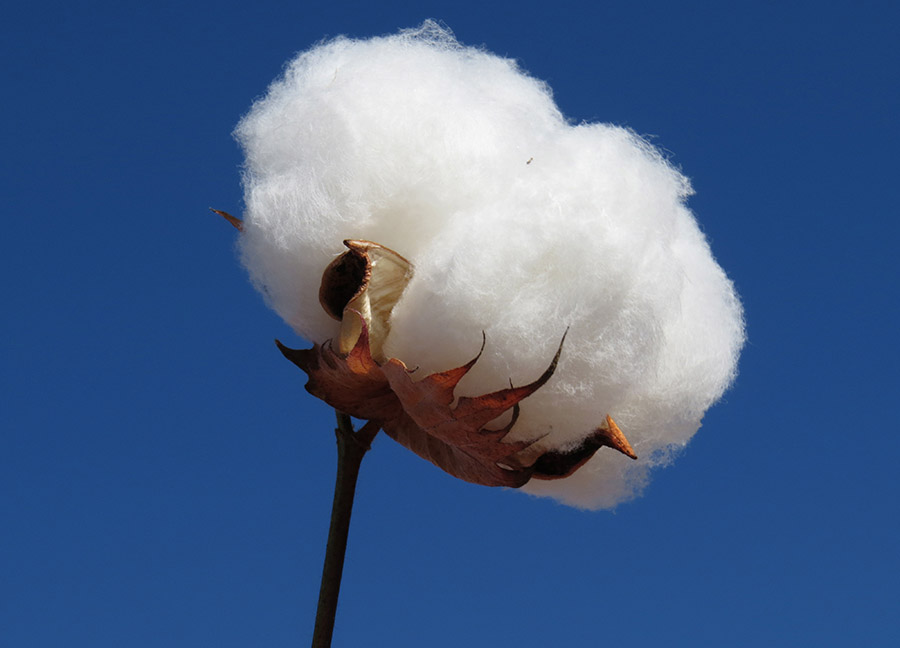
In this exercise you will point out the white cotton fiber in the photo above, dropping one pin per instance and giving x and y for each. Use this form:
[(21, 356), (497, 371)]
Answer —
[(518, 224)]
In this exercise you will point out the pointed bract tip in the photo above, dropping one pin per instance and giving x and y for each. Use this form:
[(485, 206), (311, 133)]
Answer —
[(616, 438), (286, 351), (234, 220)]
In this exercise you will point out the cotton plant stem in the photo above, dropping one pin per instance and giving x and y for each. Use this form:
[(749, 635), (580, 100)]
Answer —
[(352, 446)]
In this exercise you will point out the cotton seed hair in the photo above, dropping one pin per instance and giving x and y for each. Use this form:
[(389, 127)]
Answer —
[(518, 224)]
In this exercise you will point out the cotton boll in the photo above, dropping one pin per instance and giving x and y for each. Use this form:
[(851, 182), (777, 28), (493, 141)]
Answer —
[(382, 140), (518, 224)]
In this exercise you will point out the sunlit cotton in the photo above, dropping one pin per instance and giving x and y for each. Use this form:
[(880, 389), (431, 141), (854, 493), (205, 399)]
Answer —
[(518, 222)]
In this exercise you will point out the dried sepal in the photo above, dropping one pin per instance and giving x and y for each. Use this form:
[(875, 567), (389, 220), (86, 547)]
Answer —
[(352, 383), (559, 465), (236, 222), (420, 414), (455, 438)]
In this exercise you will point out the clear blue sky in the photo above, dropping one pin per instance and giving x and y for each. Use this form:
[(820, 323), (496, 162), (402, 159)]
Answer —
[(165, 480)]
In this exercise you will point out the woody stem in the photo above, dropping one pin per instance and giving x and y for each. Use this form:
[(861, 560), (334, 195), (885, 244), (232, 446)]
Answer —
[(352, 446)]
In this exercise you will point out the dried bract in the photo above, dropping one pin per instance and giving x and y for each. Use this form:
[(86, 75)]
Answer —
[(361, 288)]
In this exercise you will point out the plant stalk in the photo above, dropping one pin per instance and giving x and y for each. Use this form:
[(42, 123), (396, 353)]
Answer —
[(352, 446)]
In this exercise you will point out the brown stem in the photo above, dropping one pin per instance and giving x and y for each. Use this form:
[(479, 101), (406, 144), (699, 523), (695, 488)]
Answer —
[(352, 446)]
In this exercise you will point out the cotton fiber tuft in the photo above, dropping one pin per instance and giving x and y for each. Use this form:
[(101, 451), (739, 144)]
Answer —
[(518, 223)]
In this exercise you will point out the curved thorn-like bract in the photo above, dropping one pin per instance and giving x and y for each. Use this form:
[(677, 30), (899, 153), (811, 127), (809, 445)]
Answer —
[(420, 414), (234, 220)]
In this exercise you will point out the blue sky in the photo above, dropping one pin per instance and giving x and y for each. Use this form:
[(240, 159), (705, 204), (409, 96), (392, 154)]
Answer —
[(165, 480)]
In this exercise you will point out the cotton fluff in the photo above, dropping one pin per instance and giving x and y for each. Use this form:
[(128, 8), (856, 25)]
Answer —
[(518, 223)]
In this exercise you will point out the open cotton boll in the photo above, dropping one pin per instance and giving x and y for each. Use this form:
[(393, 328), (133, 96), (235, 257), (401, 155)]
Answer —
[(386, 140), (517, 223)]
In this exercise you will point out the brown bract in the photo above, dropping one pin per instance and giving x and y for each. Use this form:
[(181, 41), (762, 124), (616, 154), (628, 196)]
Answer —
[(420, 415), (360, 288)]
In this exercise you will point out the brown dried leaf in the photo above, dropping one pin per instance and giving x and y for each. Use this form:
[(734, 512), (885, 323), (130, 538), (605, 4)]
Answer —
[(353, 384), (420, 414)]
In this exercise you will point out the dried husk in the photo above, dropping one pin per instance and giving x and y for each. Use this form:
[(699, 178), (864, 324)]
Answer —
[(360, 288)]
